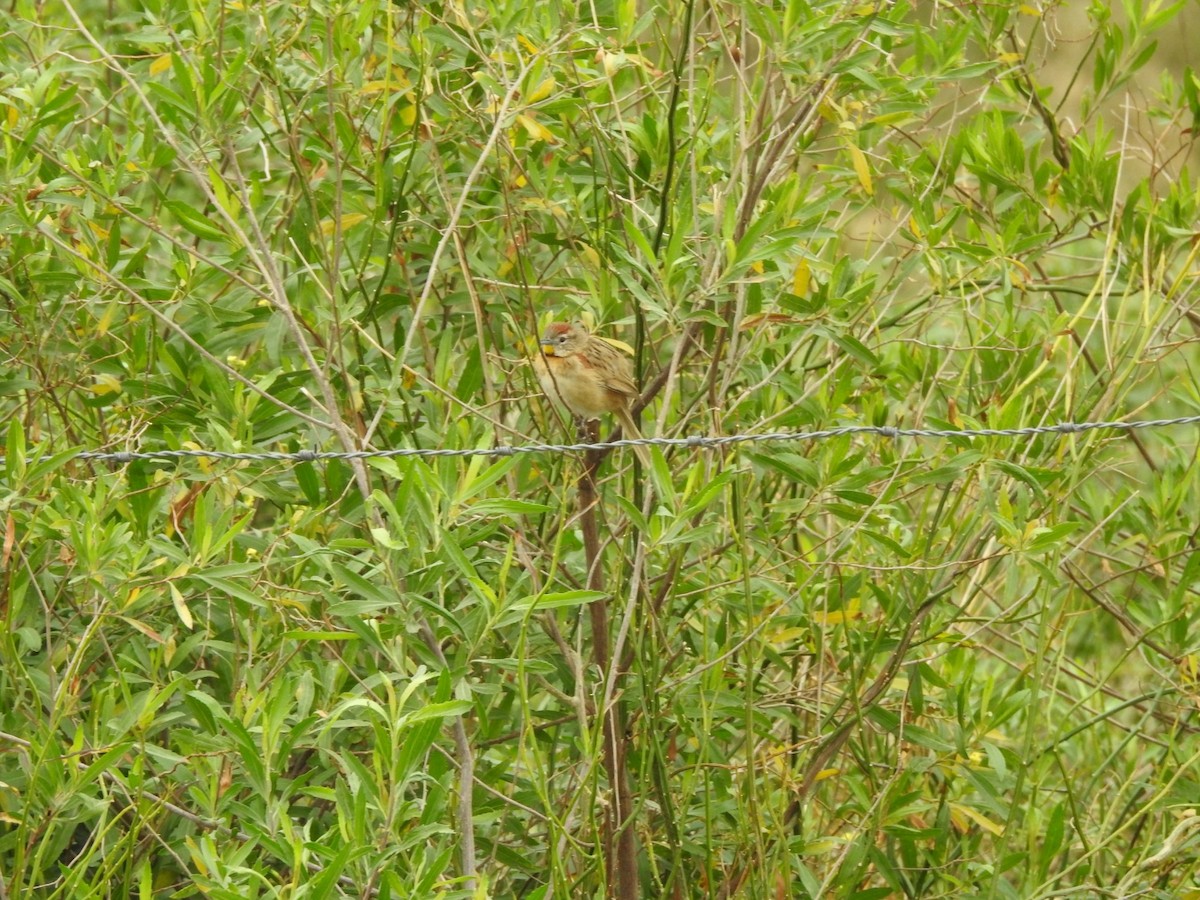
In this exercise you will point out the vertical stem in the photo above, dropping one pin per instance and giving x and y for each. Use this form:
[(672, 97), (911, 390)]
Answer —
[(620, 847)]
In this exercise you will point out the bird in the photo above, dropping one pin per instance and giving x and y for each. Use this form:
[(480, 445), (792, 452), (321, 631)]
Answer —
[(588, 376)]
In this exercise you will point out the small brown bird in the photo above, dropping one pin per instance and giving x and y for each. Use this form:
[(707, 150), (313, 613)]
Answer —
[(588, 376)]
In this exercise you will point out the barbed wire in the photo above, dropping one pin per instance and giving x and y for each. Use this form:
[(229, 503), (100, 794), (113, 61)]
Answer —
[(694, 441)]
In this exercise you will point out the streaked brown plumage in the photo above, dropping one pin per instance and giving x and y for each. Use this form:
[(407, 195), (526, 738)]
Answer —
[(588, 376)]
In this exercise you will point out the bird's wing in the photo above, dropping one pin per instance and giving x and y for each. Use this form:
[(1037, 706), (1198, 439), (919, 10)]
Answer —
[(620, 383)]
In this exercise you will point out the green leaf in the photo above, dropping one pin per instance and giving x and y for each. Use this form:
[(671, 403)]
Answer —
[(306, 477), (320, 635), (519, 609), (195, 221), (506, 507), (1044, 539), (448, 710), (14, 453)]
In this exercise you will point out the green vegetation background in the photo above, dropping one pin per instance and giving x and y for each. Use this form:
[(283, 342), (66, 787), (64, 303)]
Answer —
[(858, 667)]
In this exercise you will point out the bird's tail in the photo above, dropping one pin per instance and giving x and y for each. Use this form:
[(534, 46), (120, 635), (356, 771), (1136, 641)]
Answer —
[(629, 431)]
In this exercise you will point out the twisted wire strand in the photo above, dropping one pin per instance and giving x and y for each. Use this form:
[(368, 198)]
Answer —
[(693, 441)]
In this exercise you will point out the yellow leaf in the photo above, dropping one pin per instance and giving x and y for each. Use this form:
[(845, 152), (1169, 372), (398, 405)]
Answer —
[(527, 44), (891, 118), (460, 16), (181, 609), (785, 636), (160, 64), (554, 209), (205, 465), (620, 345), (1026, 10), (1188, 667), (639, 60), (103, 385), (612, 62), (960, 812), (861, 168), (348, 220), (590, 256), (408, 115), (1009, 58), (830, 111), (822, 845), (14, 116), (106, 322), (535, 129), (839, 616), (827, 773), (543, 90), (801, 279)]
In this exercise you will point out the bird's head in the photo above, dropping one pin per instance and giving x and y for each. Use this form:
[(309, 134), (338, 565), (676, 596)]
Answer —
[(563, 339)]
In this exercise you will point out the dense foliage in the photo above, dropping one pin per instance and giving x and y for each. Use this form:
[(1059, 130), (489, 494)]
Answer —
[(861, 666)]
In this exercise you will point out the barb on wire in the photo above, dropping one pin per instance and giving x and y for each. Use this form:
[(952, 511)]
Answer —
[(694, 441)]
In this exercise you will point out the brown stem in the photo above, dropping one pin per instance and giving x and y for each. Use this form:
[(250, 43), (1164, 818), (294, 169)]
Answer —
[(619, 843)]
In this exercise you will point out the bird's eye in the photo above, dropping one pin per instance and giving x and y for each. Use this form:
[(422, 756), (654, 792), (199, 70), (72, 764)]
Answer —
[(562, 338)]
